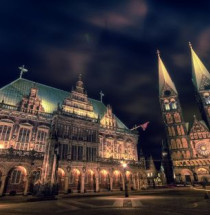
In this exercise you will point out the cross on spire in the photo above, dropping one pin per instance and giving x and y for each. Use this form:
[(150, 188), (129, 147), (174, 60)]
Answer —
[(101, 96), (22, 70)]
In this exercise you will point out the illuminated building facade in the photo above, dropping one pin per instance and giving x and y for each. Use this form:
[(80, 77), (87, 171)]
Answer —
[(66, 140), (189, 144)]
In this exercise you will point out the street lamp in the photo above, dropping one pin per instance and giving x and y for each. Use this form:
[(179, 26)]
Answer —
[(124, 165)]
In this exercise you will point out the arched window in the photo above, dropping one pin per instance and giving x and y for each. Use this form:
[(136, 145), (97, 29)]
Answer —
[(178, 130), (5, 131), (182, 130), (184, 143), (179, 144), (173, 144), (166, 105), (41, 139), (169, 131), (177, 117), (169, 118), (207, 98), (173, 104), (16, 176), (173, 131)]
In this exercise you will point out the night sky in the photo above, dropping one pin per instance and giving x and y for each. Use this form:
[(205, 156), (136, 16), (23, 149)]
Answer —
[(113, 44)]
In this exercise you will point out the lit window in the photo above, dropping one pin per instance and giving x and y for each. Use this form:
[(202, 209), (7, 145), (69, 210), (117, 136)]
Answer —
[(5, 131), (23, 139), (166, 104), (173, 105), (16, 177), (40, 140)]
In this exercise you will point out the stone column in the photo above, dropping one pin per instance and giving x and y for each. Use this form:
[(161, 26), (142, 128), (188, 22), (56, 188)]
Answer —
[(82, 188), (26, 185), (138, 185), (134, 182), (97, 183), (66, 186), (123, 181), (3, 180), (111, 183)]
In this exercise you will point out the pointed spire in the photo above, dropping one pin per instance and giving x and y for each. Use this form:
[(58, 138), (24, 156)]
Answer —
[(198, 69), (164, 78)]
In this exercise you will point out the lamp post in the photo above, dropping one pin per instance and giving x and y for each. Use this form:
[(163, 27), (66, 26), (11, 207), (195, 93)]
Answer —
[(124, 165)]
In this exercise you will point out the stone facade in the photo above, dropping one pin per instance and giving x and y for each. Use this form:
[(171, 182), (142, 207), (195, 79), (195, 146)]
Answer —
[(188, 143), (65, 140)]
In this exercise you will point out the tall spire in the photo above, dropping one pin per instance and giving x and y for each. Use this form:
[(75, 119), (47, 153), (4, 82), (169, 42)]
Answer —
[(164, 78), (199, 71)]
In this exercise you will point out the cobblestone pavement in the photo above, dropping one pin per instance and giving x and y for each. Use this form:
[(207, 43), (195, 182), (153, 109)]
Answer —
[(166, 201)]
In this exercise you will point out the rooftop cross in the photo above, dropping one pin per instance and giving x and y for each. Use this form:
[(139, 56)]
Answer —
[(22, 70), (101, 94)]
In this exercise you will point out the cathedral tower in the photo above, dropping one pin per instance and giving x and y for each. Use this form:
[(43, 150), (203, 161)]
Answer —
[(201, 81), (176, 129)]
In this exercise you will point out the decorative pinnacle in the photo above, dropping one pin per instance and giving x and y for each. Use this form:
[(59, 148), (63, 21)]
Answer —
[(80, 77), (195, 118), (190, 45), (158, 53)]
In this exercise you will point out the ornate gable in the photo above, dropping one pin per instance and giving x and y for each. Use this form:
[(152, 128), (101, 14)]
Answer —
[(78, 103), (109, 120), (32, 103)]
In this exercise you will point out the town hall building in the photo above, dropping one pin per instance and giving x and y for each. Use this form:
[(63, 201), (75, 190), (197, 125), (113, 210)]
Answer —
[(66, 140)]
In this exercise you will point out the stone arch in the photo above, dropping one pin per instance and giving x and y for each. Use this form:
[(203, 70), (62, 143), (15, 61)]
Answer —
[(202, 171), (35, 180), (129, 179), (187, 176), (117, 180), (75, 180), (104, 179), (16, 180), (61, 179), (90, 180)]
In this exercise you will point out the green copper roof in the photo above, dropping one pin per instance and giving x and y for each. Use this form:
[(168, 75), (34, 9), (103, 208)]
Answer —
[(12, 94), (164, 77), (198, 69)]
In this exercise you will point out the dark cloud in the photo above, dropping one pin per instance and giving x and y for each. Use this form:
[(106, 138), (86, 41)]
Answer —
[(113, 44)]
